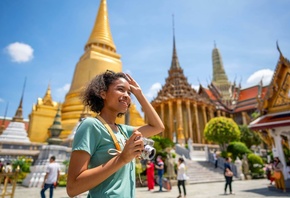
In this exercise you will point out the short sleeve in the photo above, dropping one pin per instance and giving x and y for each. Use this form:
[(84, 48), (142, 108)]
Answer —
[(85, 138)]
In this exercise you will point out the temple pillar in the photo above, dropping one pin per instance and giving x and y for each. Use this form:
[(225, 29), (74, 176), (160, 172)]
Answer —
[(211, 113), (205, 121), (223, 114), (278, 147), (218, 113), (162, 118), (189, 133), (244, 118), (170, 121), (179, 122), (197, 123)]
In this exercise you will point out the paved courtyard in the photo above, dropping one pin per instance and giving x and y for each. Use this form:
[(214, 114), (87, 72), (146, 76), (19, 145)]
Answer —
[(242, 189)]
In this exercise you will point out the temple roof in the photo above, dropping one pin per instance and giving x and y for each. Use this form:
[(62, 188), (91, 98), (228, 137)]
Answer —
[(271, 121), (176, 84), (274, 107)]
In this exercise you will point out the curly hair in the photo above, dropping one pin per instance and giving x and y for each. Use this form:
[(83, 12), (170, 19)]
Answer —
[(91, 95)]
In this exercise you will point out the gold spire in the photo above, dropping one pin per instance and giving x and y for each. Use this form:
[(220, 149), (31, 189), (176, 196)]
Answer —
[(219, 74), (100, 55), (220, 79), (174, 62), (101, 33), (47, 99)]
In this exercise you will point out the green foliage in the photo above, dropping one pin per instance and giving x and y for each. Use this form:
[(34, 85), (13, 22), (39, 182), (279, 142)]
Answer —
[(222, 130), (237, 149), (160, 144), (249, 137), (256, 165), (24, 164), (286, 151), (138, 167), (224, 154), (255, 115), (62, 180)]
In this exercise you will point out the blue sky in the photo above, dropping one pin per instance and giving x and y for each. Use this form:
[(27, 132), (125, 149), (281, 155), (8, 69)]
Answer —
[(43, 40)]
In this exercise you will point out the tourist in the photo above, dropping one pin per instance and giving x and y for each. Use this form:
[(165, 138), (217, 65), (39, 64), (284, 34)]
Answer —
[(51, 177), (150, 175), (228, 175), (215, 157), (160, 171), (269, 172), (278, 174), (103, 152), (181, 176)]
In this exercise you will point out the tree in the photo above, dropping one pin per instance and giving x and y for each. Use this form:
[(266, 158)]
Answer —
[(222, 130), (249, 137)]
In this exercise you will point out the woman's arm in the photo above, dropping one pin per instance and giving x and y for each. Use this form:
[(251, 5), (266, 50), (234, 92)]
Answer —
[(155, 124), (81, 179)]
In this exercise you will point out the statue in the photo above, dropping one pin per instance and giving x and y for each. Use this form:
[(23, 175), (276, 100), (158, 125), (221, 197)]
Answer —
[(170, 165), (245, 167)]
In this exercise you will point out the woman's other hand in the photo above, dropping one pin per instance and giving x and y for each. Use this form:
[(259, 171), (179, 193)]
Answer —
[(133, 147)]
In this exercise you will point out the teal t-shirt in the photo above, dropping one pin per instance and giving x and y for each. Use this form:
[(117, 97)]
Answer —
[(93, 137)]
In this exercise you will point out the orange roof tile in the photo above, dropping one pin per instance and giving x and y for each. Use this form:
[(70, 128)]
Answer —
[(248, 93)]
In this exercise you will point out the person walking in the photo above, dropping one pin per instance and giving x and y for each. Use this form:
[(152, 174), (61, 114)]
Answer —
[(51, 177), (150, 175), (181, 176), (228, 175), (103, 154), (160, 171), (215, 157)]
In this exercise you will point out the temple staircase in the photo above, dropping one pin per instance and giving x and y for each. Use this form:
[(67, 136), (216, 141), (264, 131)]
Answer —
[(200, 170)]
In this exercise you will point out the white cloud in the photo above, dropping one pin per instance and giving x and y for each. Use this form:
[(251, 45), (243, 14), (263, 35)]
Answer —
[(60, 92), (153, 90), (264, 74), (20, 52), (196, 87)]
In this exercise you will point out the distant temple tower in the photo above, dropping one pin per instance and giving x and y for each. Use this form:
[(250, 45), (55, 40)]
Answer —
[(15, 132), (220, 79), (183, 112), (41, 117)]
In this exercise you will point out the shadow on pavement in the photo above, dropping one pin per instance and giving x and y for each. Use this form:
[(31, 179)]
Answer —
[(266, 193)]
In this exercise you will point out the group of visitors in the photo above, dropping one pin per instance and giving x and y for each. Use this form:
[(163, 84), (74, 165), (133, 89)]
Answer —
[(181, 175), (274, 172)]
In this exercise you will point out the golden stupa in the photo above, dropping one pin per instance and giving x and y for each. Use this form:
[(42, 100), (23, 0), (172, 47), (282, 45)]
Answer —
[(100, 55)]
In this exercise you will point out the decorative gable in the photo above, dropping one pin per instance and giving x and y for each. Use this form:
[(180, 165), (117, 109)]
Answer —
[(278, 96)]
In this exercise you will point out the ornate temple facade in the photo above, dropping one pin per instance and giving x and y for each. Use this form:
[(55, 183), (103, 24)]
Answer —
[(229, 98), (274, 108), (183, 111), (41, 117)]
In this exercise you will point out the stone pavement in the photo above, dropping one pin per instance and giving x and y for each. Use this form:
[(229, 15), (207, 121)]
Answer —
[(242, 189)]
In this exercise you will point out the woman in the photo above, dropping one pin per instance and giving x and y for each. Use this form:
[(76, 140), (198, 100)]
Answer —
[(228, 175), (278, 174), (150, 175), (103, 152), (181, 176)]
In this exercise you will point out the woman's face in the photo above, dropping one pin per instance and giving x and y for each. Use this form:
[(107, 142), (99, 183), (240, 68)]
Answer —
[(117, 98)]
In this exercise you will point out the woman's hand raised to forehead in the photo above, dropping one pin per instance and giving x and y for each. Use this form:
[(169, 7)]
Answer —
[(133, 84)]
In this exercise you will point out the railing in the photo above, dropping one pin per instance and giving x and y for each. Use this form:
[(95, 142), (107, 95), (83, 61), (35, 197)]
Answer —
[(8, 181)]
